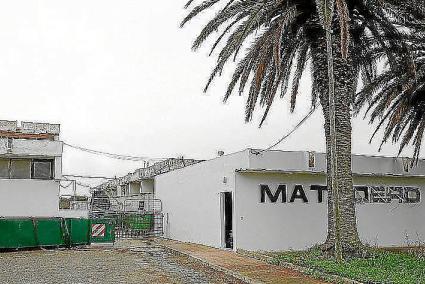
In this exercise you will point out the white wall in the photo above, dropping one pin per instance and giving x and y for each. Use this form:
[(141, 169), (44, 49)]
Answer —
[(58, 168), (392, 224), (298, 160), (73, 214), (29, 198), (278, 226), (286, 226), (288, 161), (191, 198), (29, 147)]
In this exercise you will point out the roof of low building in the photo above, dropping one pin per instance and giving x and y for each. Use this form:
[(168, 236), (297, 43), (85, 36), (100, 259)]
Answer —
[(149, 172), (28, 130)]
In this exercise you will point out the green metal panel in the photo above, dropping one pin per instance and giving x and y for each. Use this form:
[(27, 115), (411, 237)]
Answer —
[(139, 223), (17, 233), (96, 235), (43, 232), (49, 232), (79, 231)]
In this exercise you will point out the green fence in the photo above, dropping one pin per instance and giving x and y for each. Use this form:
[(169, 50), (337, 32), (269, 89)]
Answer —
[(19, 233), (137, 222)]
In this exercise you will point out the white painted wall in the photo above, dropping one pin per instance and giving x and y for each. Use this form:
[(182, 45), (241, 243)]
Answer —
[(298, 161), (288, 161), (191, 198), (297, 226), (28, 147), (29, 198), (58, 168), (73, 214), (394, 224), (278, 226)]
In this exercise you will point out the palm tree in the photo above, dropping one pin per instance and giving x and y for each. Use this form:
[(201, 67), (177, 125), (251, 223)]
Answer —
[(396, 98), (278, 35)]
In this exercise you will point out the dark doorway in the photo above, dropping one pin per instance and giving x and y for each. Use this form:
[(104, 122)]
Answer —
[(228, 220)]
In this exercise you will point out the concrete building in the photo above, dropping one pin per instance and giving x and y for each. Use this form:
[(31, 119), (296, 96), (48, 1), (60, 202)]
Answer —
[(277, 200), (133, 189), (141, 181), (30, 169)]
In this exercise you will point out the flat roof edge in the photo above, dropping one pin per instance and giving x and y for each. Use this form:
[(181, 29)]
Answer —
[(271, 171)]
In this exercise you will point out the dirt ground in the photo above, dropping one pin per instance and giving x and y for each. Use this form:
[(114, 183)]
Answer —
[(146, 263)]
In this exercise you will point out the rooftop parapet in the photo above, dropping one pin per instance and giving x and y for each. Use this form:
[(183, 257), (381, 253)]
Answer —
[(28, 130), (150, 172)]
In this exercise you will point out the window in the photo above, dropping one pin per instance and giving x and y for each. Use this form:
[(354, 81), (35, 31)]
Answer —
[(26, 169), (42, 169), (311, 159), (407, 164), (141, 205), (20, 169), (4, 168), (123, 190)]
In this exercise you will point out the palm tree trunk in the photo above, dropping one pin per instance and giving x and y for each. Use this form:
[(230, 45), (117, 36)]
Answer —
[(344, 92)]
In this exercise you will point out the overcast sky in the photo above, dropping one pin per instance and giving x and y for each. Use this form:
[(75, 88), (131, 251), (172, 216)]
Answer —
[(120, 76)]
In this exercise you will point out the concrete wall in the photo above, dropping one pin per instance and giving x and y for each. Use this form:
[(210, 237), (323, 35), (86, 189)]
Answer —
[(191, 198), (298, 161), (58, 168), (27, 147), (393, 224), (278, 226), (73, 214), (191, 202), (286, 226), (288, 161), (22, 198)]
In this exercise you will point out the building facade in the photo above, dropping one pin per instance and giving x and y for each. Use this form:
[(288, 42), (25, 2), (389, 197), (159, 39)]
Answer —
[(30, 169), (135, 191), (277, 200)]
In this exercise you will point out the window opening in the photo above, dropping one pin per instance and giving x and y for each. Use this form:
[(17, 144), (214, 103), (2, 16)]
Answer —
[(42, 169), (20, 169)]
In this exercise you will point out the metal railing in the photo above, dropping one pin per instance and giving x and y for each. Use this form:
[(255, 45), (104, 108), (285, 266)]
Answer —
[(134, 217)]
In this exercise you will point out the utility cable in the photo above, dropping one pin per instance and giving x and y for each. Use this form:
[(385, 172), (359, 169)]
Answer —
[(88, 177), (287, 135), (83, 184), (66, 186), (112, 155)]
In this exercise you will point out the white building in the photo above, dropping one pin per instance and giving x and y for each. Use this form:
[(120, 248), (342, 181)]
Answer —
[(30, 169), (127, 193), (276, 200)]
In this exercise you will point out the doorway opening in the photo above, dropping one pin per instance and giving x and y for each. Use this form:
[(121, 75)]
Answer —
[(227, 215)]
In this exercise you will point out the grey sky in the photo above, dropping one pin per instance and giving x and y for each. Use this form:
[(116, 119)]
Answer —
[(119, 76)]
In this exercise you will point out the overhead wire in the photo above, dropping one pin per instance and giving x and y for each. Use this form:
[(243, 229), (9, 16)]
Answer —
[(66, 186), (83, 184), (113, 155), (74, 181), (287, 135), (145, 158), (89, 177)]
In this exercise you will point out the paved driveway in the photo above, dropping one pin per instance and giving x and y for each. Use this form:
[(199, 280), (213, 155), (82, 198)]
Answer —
[(146, 263)]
